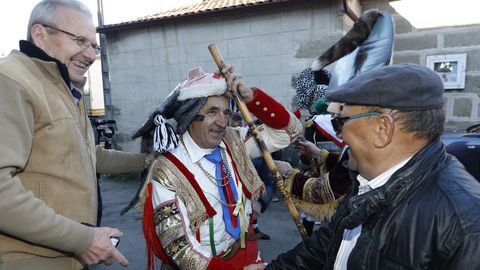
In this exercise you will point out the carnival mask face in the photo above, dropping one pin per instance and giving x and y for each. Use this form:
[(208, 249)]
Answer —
[(209, 132)]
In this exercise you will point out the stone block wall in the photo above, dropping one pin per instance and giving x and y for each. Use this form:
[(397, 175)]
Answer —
[(269, 48), (414, 45)]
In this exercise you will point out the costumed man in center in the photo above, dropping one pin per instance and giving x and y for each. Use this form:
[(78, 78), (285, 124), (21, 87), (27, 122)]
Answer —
[(200, 195)]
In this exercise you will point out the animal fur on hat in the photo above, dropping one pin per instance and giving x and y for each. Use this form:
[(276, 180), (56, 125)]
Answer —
[(349, 42), (313, 82), (183, 105)]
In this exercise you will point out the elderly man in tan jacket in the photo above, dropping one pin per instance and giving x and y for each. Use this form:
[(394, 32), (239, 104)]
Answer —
[(48, 160)]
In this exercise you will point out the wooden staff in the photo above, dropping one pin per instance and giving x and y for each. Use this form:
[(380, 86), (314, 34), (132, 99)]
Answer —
[(217, 57)]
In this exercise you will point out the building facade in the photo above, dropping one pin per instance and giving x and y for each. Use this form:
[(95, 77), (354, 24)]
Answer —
[(269, 41)]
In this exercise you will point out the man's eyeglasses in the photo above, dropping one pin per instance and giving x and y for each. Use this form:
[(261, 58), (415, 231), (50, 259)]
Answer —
[(339, 121), (82, 42)]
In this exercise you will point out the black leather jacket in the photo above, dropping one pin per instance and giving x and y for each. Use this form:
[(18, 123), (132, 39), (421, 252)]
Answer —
[(427, 216)]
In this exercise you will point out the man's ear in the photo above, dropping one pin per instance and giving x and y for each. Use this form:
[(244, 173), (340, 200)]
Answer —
[(38, 35), (384, 131)]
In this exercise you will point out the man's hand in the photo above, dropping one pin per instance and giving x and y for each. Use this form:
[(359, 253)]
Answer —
[(254, 267), (305, 147), (101, 249), (282, 166), (235, 84)]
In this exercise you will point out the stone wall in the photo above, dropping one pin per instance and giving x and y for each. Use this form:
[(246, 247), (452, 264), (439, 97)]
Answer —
[(269, 48), (414, 45)]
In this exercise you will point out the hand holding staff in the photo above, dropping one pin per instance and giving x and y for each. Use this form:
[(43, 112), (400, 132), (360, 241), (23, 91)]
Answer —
[(261, 144), (236, 85)]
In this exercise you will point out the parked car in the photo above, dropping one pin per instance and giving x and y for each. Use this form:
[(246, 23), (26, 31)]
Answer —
[(465, 145)]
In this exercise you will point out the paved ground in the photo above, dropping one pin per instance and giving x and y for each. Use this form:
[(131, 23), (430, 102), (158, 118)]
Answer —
[(276, 222)]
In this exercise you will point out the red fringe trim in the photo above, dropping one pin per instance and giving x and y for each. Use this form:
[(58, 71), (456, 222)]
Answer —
[(151, 239)]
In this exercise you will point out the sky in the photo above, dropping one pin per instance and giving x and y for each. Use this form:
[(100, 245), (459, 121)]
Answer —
[(14, 15)]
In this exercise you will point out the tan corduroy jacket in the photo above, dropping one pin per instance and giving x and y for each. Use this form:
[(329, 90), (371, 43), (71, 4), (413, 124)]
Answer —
[(48, 163)]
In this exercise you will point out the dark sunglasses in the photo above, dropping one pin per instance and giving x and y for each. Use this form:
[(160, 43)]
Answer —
[(339, 121)]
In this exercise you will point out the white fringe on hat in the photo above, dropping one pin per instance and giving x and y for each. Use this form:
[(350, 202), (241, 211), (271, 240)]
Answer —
[(164, 138)]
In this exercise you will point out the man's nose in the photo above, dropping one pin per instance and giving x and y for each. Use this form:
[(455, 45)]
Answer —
[(90, 53), (222, 119)]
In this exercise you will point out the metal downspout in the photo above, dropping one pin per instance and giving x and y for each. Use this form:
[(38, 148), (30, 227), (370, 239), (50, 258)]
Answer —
[(107, 96)]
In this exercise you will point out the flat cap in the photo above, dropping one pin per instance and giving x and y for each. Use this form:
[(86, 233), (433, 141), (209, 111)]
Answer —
[(406, 87)]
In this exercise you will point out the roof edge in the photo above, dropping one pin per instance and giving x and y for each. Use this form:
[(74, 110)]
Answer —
[(191, 16)]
